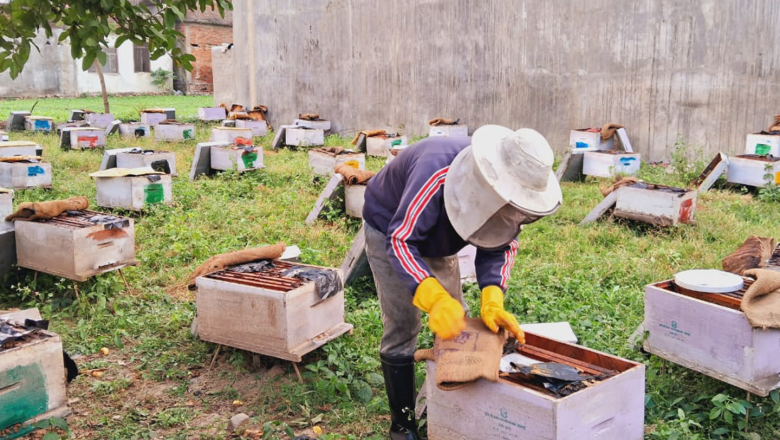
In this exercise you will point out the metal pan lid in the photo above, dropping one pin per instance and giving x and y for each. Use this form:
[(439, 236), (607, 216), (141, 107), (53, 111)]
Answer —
[(709, 281)]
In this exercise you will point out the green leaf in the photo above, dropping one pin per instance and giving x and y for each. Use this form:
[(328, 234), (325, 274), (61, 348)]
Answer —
[(736, 408), (51, 436), (375, 379), (362, 391), (728, 418), (775, 397), (60, 423), (715, 413), (101, 56), (720, 431)]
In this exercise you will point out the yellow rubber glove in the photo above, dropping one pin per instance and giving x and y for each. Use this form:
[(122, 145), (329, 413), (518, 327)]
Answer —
[(494, 315), (446, 316)]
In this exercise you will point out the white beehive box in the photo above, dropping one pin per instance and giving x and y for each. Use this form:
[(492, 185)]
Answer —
[(716, 340), (763, 144), (20, 148), (394, 152), (152, 119), (101, 120), (750, 170), (238, 311), (6, 203), (32, 380), (126, 159), (659, 205), (232, 135), (3, 136), (259, 128), (610, 409), (448, 130), (583, 140), (609, 163), (212, 113), (320, 124), (174, 132), (87, 138), (135, 129), (466, 263), (233, 158), (38, 123), (75, 248), (380, 145), (7, 247), (304, 137), (322, 163), (20, 175), (133, 192), (354, 198)]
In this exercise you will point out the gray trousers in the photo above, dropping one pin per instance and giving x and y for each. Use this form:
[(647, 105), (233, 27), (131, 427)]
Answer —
[(400, 318)]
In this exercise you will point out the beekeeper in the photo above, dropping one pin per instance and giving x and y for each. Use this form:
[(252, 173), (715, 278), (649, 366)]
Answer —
[(436, 197)]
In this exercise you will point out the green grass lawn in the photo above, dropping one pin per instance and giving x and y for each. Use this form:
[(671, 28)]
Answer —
[(157, 381)]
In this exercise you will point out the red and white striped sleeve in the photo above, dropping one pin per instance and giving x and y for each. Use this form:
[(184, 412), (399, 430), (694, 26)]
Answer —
[(495, 266)]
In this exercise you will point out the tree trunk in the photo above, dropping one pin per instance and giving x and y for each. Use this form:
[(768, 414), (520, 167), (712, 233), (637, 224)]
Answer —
[(99, 68)]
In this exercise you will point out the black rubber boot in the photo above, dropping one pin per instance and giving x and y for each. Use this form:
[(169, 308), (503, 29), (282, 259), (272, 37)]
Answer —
[(399, 383)]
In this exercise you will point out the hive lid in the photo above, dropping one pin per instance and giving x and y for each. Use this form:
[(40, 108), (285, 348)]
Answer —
[(18, 144), (709, 281)]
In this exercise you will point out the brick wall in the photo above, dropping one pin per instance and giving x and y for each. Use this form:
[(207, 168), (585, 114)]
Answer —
[(202, 31)]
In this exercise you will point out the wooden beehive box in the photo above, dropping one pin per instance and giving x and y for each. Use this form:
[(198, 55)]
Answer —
[(87, 138), (152, 118), (448, 130), (608, 163), (323, 162), (304, 137), (763, 144), (259, 128), (135, 129), (258, 313), (232, 135), (6, 203), (659, 205), (708, 333), (100, 120), (749, 169), (73, 247), (144, 158), (319, 124), (20, 148), (38, 123), (585, 139), (381, 145), (212, 113), (609, 410), (354, 198), (7, 247), (32, 380), (22, 175), (133, 192), (174, 131), (236, 158)]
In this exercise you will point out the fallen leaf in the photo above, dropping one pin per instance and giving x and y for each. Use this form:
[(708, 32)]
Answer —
[(105, 351), (317, 430), (237, 403)]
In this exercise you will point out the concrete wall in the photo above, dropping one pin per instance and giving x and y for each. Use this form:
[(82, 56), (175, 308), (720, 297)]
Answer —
[(202, 31), (707, 70)]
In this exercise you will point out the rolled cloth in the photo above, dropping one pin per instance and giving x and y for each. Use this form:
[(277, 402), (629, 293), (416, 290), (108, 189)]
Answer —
[(761, 302), (775, 125), (353, 176), (152, 110), (753, 253), (236, 108), (619, 181), (18, 158), (223, 261), (608, 130), (474, 354), (368, 133), (335, 151), (443, 121), (31, 211), (308, 116)]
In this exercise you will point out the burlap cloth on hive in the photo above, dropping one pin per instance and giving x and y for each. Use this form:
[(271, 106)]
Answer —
[(31, 211), (333, 151), (775, 125), (753, 253), (353, 176), (474, 354), (368, 133), (619, 181), (309, 116), (223, 261), (761, 302), (608, 130), (443, 121)]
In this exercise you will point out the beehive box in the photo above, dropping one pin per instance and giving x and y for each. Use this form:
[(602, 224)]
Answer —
[(178, 131), (608, 410), (73, 247), (3, 136), (38, 123), (212, 113), (319, 124), (608, 163), (145, 158), (322, 162), (152, 118), (708, 333), (6, 203), (394, 152), (135, 129), (749, 169), (380, 145), (763, 144), (466, 263), (354, 198), (87, 138), (448, 130), (20, 148), (100, 120), (259, 128), (133, 192), (32, 382), (7, 247), (234, 158), (581, 140), (22, 175), (265, 314), (232, 135), (659, 205), (304, 137)]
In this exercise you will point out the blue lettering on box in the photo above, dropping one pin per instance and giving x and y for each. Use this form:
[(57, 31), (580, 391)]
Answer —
[(582, 145), (42, 124), (627, 160), (35, 171)]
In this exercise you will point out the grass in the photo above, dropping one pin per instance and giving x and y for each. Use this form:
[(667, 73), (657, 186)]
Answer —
[(157, 382)]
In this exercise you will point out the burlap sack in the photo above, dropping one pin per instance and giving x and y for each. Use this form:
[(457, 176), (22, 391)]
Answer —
[(761, 302), (333, 151), (11, 159), (223, 261), (152, 110), (619, 181), (31, 211), (775, 125), (753, 253), (368, 133), (475, 354), (608, 130), (353, 176), (443, 121), (309, 116)]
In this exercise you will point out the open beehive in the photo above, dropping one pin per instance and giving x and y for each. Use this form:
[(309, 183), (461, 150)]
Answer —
[(299, 136), (239, 158), (268, 313), (232, 135), (135, 129), (659, 205), (752, 170), (319, 124)]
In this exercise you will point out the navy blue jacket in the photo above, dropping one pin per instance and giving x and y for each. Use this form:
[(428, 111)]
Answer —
[(405, 201)]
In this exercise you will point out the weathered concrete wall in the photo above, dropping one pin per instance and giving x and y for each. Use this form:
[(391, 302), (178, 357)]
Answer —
[(707, 70)]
